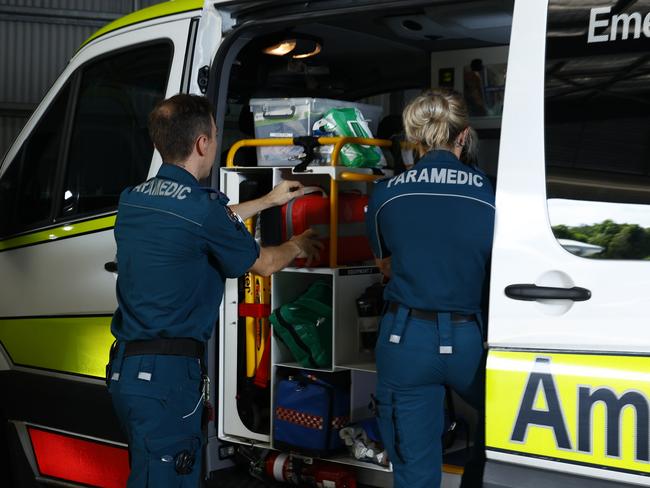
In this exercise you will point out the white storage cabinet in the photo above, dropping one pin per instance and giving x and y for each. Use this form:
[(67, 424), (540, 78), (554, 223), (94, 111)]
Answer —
[(347, 283)]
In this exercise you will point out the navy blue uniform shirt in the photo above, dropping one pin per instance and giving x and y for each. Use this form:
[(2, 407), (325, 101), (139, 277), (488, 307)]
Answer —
[(177, 242), (436, 221)]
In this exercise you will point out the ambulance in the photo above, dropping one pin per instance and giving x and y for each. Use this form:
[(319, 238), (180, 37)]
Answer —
[(559, 93)]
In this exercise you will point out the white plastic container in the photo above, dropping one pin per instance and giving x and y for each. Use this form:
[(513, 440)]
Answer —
[(293, 117)]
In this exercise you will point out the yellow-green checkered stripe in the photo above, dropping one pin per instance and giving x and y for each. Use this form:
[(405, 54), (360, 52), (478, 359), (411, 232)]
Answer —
[(76, 345), (62, 232), (150, 13)]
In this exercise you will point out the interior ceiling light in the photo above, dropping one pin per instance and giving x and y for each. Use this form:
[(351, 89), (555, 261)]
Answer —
[(281, 48), (313, 52)]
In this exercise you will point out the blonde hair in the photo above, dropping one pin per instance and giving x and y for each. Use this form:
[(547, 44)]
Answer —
[(434, 119)]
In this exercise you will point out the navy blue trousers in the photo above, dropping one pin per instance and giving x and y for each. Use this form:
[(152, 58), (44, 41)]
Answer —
[(411, 375), (158, 401)]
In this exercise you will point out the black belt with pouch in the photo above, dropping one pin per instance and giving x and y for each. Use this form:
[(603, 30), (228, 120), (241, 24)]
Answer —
[(433, 316), (181, 346)]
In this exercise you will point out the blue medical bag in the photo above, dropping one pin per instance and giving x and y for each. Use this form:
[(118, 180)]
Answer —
[(310, 409)]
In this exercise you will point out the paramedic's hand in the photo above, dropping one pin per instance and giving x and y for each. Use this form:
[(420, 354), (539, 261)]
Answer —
[(384, 266), (284, 192), (309, 245)]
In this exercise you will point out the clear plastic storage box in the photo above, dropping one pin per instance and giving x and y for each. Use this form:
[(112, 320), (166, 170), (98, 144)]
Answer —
[(292, 117)]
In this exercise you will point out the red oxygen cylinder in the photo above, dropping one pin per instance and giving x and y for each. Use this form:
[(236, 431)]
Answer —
[(330, 475), (278, 466), (319, 474)]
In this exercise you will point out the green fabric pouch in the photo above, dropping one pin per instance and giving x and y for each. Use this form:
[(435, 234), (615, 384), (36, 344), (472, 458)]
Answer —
[(349, 122), (305, 326)]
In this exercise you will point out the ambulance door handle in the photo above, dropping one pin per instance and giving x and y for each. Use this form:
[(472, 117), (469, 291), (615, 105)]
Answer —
[(532, 292), (111, 266)]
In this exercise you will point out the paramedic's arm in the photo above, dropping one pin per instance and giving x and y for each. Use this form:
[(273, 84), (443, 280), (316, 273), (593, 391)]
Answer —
[(272, 259), (280, 195), (377, 244)]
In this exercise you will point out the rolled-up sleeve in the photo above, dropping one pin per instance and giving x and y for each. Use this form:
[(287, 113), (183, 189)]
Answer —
[(229, 242)]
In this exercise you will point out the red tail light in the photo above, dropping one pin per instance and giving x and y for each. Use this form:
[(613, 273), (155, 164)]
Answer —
[(79, 460)]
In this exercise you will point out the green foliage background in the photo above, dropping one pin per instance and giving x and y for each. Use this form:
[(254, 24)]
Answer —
[(621, 241)]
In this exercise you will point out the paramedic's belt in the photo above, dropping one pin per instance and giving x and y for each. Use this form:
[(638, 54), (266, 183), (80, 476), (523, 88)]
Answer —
[(168, 347), (443, 319), (433, 316)]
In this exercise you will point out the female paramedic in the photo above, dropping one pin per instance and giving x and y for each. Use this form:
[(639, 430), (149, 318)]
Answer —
[(431, 226)]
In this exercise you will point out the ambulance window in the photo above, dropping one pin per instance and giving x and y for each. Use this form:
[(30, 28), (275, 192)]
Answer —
[(484, 87), (597, 127), (26, 188), (110, 147)]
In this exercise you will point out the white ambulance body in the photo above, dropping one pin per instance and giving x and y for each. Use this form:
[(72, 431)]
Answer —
[(559, 93)]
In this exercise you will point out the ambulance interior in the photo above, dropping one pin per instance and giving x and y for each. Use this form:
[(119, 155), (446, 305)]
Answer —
[(382, 58)]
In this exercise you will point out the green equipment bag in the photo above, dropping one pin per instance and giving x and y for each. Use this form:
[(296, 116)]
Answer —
[(305, 326), (349, 122)]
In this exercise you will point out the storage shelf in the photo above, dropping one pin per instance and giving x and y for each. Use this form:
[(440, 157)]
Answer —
[(246, 441), (331, 171), (349, 460), (369, 366), (240, 169), (348, 282), (293, 269), (294, 365), (341, 270)]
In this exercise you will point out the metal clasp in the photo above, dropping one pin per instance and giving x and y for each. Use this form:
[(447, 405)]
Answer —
[(205, 388)]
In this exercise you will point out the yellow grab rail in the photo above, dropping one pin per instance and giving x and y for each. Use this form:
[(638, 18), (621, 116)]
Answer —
[(338, 143), (349, 176), (273, 141)]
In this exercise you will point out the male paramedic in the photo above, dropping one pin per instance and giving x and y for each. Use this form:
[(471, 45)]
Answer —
[(431, 231), (176, 244)]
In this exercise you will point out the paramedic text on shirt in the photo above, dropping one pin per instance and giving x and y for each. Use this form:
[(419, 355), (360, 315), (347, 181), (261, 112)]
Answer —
[(433, 224), (177, 242)]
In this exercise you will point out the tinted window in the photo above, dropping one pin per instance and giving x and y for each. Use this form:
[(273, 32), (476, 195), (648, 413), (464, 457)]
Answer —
[(26, 188), (597, 101), (110, 148)]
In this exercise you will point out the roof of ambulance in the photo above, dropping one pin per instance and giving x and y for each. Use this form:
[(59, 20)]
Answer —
[(156, 11)]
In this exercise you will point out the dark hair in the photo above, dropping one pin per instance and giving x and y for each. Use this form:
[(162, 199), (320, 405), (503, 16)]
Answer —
[(175, 123)]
